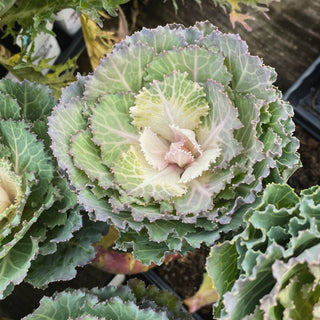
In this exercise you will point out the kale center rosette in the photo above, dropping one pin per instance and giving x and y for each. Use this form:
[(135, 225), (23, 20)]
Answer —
[(173, 136)]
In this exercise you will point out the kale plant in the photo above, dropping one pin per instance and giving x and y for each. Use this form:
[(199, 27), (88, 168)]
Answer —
[(131, 301), (43, 233), (271, 270), (172, 137)]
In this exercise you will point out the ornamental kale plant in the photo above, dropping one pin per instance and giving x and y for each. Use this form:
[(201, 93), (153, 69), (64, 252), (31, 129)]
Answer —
[(271, 270), (44, 235), (172, 137), (131, 301)]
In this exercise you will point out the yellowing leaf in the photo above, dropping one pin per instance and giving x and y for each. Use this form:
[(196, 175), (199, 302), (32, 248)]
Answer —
[(99, 42), (206, 295), (108, 240)]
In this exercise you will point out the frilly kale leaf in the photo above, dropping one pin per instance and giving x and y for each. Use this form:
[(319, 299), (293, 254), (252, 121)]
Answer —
[(40, 222), (271, 270)]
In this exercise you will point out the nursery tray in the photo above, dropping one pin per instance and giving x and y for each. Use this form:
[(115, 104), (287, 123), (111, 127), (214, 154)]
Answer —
[(152, 277), (304, 95)]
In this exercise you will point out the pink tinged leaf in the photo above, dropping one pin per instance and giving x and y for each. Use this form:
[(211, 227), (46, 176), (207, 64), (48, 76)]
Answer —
[(154, 149), (118, 262), (179, 155), (189, 139)]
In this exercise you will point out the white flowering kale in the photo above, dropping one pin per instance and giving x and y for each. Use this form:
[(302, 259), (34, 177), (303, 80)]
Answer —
[(272, 269), (38, 213), (172, 136), (131, 301)]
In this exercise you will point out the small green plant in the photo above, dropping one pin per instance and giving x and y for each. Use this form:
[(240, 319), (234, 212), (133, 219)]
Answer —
[(132, 301)]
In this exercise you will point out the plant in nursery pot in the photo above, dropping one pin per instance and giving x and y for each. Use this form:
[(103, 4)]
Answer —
[(132, 301), (44, 234), (172, 137)]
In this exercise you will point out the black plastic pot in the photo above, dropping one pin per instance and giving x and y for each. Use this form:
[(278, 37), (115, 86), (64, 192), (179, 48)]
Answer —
[(152, 277), (304, 95)]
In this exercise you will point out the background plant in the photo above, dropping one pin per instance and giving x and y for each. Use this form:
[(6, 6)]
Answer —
[(44, 234), (27, 19), (133, 300), (271, 270)]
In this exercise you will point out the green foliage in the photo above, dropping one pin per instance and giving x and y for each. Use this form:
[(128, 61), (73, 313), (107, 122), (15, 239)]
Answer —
[(273, 271), (33, 17), (40, 220), (133, 301), (172, 137)]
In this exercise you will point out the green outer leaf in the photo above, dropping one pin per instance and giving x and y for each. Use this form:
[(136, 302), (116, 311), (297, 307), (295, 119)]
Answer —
[(117, 74), (297, 290), (160, 39), (134, 301), (86, 157), (74, 89), (248, 73), (64, 123), (246, 292), (14, 266), (9, 108), (118, 310), (200, 64), (249, 113), (35, 100), (27, 154), (64, 306), (61, 265), (111, 126), (222, 266)]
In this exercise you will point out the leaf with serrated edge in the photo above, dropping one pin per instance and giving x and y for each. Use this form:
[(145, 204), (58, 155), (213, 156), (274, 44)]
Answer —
[(200, 64), (27, 154), (161, 38), (111, 126), (35, 100), (173, 101), (64, 122), (116, 73), (216, 129), (9, 108), (61, 265), (14, 266), (86, 156)]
